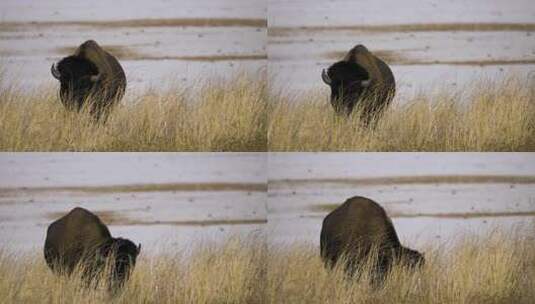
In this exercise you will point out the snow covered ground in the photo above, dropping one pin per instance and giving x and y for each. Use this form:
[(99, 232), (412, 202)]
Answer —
[(347, 12), (67, 10), (433, 198), (167, 201), (163, 200), (160, 55), (101, 169), (304, 38), (34, 34)]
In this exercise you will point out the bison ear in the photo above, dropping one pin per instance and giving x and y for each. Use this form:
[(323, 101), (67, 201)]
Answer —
[(365, 83), (326, 77)]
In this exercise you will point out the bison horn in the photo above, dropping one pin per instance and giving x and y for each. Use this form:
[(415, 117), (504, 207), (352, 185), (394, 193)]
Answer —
[(325, 77), (365, 83), (95, 78), (139, 248), (54, 71)]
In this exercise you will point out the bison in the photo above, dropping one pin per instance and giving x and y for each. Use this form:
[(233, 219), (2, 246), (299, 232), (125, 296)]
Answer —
[(358, 229), (90, 76), (360, 80), (80, 240)]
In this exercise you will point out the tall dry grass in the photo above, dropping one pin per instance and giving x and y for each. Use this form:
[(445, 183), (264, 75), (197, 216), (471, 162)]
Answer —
[(493, 269), (496, 269), (483, 116), (234, 115), (221, 115), (231, 272)]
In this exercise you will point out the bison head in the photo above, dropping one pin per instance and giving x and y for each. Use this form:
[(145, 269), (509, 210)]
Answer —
[(347, 80), (78, 77), (93, 76), (125, 253), (412, 258)]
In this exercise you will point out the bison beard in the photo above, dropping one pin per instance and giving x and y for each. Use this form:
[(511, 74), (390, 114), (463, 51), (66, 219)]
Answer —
[(78, 78), (347, 81)]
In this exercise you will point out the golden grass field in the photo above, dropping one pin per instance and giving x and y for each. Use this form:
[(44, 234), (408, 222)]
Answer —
[(233, 272), (495, 116), (240, 115), (222, 115), (493, 269)]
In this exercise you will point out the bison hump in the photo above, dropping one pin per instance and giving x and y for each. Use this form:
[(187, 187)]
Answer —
[(107, 65), (357, 50), (376, 68), (361, 220), (79, 230)]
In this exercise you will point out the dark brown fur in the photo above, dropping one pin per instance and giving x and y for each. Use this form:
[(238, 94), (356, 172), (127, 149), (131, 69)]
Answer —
[(80, 237), (347, 91), (357, 228), (90, 76)]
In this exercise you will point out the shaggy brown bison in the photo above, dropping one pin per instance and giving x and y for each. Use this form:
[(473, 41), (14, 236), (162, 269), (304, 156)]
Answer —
[(357, 228), (361, 80), (91, 75), (80, 239)]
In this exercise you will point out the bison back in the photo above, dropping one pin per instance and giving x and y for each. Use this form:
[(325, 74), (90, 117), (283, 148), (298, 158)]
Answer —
[(354, 228), (72, 237)]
